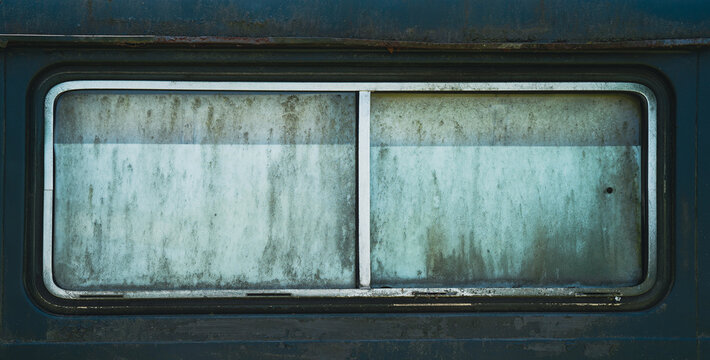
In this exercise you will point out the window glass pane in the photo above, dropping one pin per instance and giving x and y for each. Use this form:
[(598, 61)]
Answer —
[(486, 190), (204, 190)]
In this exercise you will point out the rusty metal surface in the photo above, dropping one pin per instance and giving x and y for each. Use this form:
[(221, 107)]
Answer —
[(390, 46), (170, 191), (514, 24)]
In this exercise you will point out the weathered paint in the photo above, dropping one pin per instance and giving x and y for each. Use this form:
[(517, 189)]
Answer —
[(506, 190), (457, 21), (219, 190), (390, 46)]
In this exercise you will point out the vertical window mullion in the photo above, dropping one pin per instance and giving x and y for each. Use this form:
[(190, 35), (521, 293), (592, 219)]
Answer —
[(363, 183)]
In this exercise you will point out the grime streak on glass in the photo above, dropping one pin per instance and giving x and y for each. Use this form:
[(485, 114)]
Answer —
[(487, 190), (204, 190)]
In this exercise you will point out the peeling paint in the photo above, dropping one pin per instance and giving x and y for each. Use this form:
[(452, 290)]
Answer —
[(275, 23)]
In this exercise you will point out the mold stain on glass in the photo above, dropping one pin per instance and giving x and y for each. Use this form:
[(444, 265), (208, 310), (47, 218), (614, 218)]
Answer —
[(505, 190), (223, 191)]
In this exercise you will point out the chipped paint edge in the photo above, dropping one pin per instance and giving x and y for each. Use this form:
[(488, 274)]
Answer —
[(364, 89), (126, 40)]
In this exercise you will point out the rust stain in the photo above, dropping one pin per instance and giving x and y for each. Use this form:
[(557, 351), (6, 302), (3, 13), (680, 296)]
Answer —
[(214, 40), (311, 42)]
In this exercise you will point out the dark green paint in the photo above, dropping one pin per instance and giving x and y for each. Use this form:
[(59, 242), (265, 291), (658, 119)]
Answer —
[(450, 21), (666, 326), (702, 260)]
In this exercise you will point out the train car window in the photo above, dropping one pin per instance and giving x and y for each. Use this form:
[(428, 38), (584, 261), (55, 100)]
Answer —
[(180, 190), (158, 189), (506, 189)]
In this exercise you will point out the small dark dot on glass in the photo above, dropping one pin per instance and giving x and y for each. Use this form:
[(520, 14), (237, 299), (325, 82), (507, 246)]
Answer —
[(609, 190)]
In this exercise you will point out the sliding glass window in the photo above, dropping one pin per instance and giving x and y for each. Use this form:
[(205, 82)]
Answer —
[(157, 189)]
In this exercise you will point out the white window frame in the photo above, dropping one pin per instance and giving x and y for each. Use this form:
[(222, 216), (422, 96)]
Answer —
[(364, 90)]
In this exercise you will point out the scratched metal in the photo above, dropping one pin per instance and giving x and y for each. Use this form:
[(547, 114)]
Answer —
[(505, 190), (211, 190)]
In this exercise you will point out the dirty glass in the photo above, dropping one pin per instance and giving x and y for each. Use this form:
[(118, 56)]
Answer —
[(204, 190), (487, 190)]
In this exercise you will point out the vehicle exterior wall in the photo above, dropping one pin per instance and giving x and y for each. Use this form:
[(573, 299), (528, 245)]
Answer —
[(363, 40)]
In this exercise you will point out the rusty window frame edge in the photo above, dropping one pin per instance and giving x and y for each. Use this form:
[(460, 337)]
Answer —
[(391, 45), (363, 90)]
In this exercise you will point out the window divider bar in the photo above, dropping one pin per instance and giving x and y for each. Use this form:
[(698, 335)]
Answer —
[(363, 189)]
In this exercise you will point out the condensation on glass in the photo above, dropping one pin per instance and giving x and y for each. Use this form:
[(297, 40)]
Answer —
[(228, 189)]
